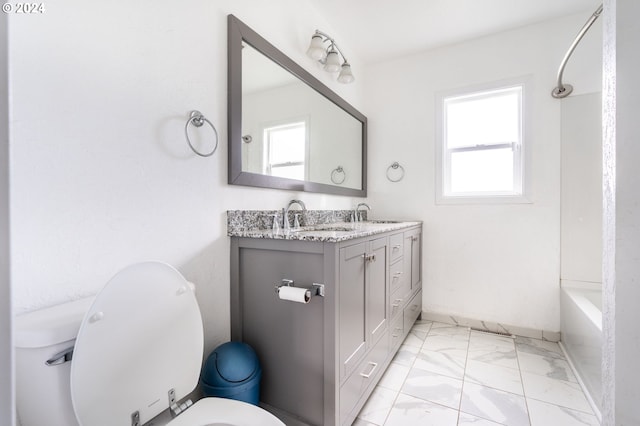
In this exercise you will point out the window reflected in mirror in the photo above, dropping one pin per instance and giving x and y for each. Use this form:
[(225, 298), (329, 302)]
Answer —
[(287, 150)]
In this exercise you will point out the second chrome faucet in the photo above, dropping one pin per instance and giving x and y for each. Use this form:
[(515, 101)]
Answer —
[(356, 213)]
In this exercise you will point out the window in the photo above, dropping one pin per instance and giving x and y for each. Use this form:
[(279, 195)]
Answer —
[(481, 155), (286, 150)]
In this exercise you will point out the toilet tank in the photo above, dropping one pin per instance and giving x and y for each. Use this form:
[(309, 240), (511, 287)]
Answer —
[(42, 391)]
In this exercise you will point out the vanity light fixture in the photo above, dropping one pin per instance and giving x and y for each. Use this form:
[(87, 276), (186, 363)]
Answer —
[(330, 56)]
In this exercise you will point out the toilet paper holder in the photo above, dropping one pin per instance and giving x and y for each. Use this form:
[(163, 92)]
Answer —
[(315, 289)]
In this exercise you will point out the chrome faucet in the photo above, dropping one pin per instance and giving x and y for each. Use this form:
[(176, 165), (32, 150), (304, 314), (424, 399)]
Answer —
[(285, 216), (357, 216)]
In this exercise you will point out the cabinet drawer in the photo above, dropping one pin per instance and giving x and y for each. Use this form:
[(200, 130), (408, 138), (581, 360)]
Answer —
[(395, 247), (412, 311), (396, 334), (396, 305), (360, 384), (396, 275), (400, 296)]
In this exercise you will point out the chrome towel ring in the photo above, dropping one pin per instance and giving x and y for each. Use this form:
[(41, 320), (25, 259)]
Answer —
[(336, 174), (197, 119), (395, 166)]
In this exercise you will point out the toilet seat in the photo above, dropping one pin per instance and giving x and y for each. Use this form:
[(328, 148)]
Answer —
[(140, 340), (220, 411)]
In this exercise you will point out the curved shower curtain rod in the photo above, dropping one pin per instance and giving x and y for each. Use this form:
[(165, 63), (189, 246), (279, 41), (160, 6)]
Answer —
[(564, 90)]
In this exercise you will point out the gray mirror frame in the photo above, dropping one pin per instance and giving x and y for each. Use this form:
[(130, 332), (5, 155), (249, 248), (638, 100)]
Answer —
[(237, 33)]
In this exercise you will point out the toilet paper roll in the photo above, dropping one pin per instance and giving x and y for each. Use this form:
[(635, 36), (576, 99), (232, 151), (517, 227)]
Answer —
[(295, 294)]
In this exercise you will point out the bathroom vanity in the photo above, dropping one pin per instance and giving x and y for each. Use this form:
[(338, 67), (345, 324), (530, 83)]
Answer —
[(322, 359)]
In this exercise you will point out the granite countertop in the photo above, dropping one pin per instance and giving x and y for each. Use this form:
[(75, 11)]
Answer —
[(330, 232)]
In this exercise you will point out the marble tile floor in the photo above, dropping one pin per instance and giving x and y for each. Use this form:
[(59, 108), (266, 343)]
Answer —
[(444, 375)]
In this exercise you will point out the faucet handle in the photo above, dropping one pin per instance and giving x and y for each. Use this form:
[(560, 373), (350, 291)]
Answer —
[(275, 228)]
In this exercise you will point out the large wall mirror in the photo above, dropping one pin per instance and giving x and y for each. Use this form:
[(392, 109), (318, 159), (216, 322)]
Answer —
[(287, 130)]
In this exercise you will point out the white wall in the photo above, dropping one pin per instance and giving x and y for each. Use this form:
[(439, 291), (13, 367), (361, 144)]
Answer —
[(496, 263), (621, 214), (101, 172), (6, 352), (581, 204)]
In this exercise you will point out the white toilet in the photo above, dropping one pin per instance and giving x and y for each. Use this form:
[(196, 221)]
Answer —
[(138, 350)]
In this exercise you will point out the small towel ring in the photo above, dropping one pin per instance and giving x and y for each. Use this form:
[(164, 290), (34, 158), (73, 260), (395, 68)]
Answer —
[(335, 178), (395, 166), (197, 119)]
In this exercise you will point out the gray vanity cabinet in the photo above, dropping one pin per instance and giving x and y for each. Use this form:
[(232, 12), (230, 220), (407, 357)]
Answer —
[(321, 360)]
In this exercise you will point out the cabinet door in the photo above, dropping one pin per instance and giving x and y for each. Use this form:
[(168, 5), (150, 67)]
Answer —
[(377, 307), (412, 263), (352, 307), (416, 263)]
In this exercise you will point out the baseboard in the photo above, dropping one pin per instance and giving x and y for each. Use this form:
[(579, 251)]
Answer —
[(592, 403), (551, 336)]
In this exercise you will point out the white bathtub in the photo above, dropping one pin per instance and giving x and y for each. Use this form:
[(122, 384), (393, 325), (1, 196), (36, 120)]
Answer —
[(581, 331)]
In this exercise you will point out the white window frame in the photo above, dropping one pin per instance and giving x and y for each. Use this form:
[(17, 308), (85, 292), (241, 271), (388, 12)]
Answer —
[(522, 160), (267, 166)]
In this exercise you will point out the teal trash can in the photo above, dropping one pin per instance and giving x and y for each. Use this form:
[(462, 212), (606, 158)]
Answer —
[(232, 371)]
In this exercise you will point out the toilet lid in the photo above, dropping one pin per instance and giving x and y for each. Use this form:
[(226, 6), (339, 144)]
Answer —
[(141, 338)]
